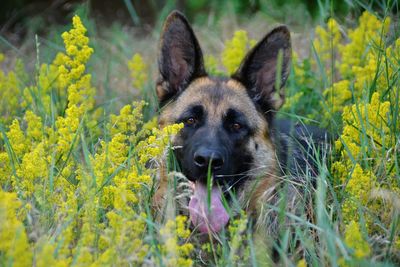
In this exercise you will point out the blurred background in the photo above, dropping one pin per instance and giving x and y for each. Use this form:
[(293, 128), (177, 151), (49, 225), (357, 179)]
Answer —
[(18, 17), (30, 30)]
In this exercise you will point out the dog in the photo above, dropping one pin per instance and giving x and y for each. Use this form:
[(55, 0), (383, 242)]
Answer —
[(231, 148)]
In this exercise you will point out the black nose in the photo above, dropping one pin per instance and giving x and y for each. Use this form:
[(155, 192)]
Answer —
[(204, 156)]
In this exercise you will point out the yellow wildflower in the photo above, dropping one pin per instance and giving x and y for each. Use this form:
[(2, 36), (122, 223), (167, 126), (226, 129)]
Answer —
[(38, 97), (337, 95), (359, 188), (379, 70), (139, 70), (354, 239), (71, 74), (33, 166), (128, 120), (235, 50), (370, 32), (211, 64), (173, 252), (17, 139), (5, 168), (14, 245), (9, 96), (34, 131), (45, 256), (154, 146), (327, 40), (124, 236), (302, 263), (369, 120), (237, 232)]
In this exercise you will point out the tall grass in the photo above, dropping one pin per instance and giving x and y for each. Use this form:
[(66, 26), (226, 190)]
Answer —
[(79, 164)]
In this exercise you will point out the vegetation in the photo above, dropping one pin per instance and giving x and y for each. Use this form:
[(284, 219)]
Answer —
[(77, 176)]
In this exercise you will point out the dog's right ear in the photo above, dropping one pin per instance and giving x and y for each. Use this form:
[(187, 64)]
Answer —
[(180, 57)]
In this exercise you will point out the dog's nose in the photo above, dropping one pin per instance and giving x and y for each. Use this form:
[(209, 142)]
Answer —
[(203, 157)]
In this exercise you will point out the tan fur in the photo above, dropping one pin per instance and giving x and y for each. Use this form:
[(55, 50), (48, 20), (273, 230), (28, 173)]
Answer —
[(251, 92), (234, 95)]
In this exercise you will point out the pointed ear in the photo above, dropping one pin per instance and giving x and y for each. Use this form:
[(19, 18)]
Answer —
[(180, 58), (259, 69)]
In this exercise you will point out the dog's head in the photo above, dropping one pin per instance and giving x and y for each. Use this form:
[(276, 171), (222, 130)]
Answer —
[(226, 120)]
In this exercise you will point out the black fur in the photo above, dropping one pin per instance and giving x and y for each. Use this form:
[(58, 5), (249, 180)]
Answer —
[(180, 59), (257, 71), (221, 139), (225, 140), (299, 147)]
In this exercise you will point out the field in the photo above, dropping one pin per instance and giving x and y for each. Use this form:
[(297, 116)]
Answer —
[(80, 147)]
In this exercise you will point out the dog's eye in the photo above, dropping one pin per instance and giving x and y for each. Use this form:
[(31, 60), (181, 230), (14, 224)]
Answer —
[(236, 126), (190, 121)]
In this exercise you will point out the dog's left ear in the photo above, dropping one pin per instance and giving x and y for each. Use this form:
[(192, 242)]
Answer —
[(259, 69), (180, 58)]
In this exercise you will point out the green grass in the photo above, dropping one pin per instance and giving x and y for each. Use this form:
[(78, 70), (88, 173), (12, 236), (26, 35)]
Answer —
[(319, 240)]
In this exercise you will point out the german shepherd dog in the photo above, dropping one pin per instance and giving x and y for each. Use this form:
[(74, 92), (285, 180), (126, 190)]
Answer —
[(230, 133)]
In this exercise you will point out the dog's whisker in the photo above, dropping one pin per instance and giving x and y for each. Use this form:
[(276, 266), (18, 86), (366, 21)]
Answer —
[(241, 173)]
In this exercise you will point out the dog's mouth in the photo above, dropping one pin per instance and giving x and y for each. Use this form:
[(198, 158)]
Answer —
[(207, 213)]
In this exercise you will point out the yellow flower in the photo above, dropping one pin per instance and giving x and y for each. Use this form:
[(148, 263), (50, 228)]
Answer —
[(9, 96), (45, 257), (139, 70), (71, 74), (14, 245), (366, 123), (301, 263), (124, 235), (337, 96), (379, 70), (35, 126), (33, 166), (128, 120), (369, 33), (17, 139), (366, 134), (5, 168), (291, 101), (154, 146), (235, 50), (237, 232), (355, 241), (38, 97), (327, 40), (174, 252), (211, 64), (359, 188)]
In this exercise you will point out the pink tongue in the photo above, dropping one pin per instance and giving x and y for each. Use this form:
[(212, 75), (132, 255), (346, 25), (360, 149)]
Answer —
[(202, 216)]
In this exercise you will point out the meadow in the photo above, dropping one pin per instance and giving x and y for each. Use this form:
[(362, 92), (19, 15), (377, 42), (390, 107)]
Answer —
[(80, 150)]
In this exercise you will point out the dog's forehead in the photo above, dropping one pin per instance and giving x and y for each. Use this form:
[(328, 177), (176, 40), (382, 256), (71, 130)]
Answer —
[(217, 95)]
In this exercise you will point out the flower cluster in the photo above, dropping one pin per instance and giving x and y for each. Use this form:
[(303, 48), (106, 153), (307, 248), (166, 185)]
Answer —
[(365, 162), (327, 41), (154, 147), (71, 75), (76, 180), (173, 251), (139, 70), (10, 92), (14, 245), (355, 241), (360, 99), (364, 146), (369, 35), (235, 50), (79, 190)]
